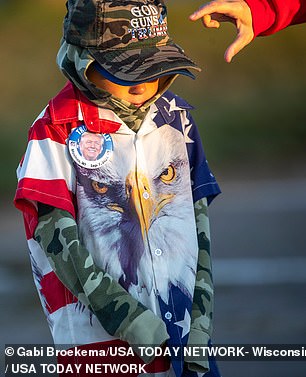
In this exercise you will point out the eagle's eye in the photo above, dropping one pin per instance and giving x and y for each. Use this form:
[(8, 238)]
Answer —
[(99, 187), (168, 175)]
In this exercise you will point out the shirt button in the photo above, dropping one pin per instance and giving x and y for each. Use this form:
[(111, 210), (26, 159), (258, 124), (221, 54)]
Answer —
[(146, 195), (168, 316), (158, 252)]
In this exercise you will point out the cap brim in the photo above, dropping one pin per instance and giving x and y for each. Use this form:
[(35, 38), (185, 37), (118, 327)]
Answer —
[(137, 65), (118, 81)]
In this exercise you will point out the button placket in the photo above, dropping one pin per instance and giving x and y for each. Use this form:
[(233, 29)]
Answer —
[(153, 247), (141, 167)]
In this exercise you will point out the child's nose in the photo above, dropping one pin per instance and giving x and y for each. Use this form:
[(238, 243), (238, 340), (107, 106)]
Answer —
[(138, 89)]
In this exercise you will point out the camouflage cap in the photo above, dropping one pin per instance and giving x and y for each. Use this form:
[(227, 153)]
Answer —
[(128, 38)]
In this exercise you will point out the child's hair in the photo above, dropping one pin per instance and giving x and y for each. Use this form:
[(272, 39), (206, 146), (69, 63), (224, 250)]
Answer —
[(129, 39)]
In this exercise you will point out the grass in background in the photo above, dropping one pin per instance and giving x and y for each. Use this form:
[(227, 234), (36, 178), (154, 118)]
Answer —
[(30, 32), (251, 113)]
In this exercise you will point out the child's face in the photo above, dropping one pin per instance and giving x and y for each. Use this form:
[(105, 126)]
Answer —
[(137, 95)]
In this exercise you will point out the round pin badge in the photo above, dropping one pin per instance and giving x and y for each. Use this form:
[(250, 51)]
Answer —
[(89, 150)]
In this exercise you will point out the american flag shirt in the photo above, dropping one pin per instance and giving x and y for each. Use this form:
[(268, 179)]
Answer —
[(134, 207)]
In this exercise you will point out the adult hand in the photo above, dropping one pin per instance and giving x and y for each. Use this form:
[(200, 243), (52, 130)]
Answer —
[(235, 11)]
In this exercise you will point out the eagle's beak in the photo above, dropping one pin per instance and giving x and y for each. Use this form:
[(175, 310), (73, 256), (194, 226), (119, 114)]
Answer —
[(142, 202)]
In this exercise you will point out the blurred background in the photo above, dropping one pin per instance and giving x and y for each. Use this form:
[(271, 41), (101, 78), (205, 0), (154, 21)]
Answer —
[(252, 118)]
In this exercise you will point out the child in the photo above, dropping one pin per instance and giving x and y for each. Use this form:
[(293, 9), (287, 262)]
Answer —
[(119, 241)]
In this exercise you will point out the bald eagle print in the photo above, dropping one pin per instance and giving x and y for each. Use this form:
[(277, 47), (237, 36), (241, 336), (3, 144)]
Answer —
[(136, 214)]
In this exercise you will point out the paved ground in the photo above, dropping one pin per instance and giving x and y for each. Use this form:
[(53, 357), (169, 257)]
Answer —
[(258, 232)]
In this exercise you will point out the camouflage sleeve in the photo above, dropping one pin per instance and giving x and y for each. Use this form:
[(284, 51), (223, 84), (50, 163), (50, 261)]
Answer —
[(118, 312), (202, 307)]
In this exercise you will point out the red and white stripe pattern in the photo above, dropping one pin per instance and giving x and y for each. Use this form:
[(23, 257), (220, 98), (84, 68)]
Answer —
[(46, 175), (45, 165)]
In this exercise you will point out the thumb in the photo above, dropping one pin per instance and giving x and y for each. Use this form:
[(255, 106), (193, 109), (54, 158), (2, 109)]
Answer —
[(244, 37)]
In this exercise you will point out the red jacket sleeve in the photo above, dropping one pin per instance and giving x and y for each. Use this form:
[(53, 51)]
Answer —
[(270, 16)]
